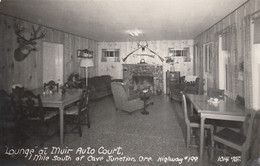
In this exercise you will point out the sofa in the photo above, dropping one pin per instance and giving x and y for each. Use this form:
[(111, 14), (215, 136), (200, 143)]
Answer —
[(99, 86), (187, 84)]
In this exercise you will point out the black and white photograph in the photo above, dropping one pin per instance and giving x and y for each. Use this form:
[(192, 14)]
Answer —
[(129, 82)]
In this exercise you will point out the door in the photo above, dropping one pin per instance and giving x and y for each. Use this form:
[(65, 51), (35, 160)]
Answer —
[(256, 63), (222, 66), (52, 62), (256, 76)]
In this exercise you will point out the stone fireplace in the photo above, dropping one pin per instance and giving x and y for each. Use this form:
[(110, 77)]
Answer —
[(139, 76)]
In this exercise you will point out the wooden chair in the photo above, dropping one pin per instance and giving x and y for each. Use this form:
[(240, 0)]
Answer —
[(8, 121), (34, 116), (192, 121), (79, 114), (16, 96), (235, 140), (51, 85), (222, 123)]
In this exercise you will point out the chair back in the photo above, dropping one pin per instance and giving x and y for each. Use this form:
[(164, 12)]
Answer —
[(119, 91), (240, 101), (16, 96), (51, 85), (216, 93), (32, 106), (250, 128), (84, 101), (184, 106), (7, 112)]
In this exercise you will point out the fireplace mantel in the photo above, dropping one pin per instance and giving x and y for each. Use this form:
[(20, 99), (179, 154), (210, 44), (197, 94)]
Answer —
[(140, 64), (156, 71)]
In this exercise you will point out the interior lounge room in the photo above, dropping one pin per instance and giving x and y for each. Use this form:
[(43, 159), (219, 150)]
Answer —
[(129, 82)]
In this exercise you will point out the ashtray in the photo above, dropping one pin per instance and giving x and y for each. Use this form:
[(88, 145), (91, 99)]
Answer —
[(214, 101)]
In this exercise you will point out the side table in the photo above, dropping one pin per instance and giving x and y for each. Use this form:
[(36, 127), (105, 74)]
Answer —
[(145, 96)]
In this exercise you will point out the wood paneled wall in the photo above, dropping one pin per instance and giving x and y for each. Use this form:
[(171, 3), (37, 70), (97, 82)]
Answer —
[(115, 69), (29, 71), (236, 19), (210, 35)]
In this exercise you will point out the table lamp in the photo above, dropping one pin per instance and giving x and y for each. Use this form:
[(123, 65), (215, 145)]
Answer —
[(86, 62)]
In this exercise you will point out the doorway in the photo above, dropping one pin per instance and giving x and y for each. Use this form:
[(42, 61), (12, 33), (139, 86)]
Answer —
[(256, 64), (208, 57), (225, 73), (52, 62)]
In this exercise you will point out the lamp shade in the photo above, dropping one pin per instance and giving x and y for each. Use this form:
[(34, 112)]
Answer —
[(87, 62)]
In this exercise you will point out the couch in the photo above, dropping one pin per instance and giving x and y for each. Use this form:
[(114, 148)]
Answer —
[(123, 101), (187, 84), (99, 86)]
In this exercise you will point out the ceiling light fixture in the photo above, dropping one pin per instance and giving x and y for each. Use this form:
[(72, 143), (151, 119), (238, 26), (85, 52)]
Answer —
[(134, 33)]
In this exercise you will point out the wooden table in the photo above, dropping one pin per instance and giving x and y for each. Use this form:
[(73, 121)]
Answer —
[(59, 100), (225, 110)]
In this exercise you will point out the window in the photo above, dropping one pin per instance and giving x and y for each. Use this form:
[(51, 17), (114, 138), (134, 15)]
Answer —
[(110, 53), (178, 53)]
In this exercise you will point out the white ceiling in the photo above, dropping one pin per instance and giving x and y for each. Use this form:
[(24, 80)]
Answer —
[(108, 20)]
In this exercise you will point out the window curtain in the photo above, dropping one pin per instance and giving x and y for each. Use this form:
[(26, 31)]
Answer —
[(229, 43), (103, 58), (215, 64), (247, 61), (117, 56), (233, 59)]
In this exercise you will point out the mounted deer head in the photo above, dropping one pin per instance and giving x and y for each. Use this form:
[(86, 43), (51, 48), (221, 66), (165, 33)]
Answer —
[(143, 47), (27, 45)]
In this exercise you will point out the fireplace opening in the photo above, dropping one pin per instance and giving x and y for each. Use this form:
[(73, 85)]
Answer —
[(141, 82)]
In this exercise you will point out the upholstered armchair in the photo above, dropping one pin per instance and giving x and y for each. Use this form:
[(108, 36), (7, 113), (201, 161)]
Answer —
[(122, 99)]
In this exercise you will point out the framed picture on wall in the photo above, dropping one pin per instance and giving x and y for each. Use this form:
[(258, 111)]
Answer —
[(84, 53)]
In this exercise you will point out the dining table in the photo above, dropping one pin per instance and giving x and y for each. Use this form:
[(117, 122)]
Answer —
[(222, 109), (60, 100)]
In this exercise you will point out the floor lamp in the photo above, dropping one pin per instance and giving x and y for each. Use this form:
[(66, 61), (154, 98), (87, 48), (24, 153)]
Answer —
[(86, 62)]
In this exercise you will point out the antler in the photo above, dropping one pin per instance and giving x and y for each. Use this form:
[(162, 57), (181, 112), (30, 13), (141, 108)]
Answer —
[(142, 46), (131, 53), (34, 35), (155, 54), (18, 30)]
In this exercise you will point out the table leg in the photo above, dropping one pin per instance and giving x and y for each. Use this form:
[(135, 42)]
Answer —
[(61, 126), (202, 123)]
